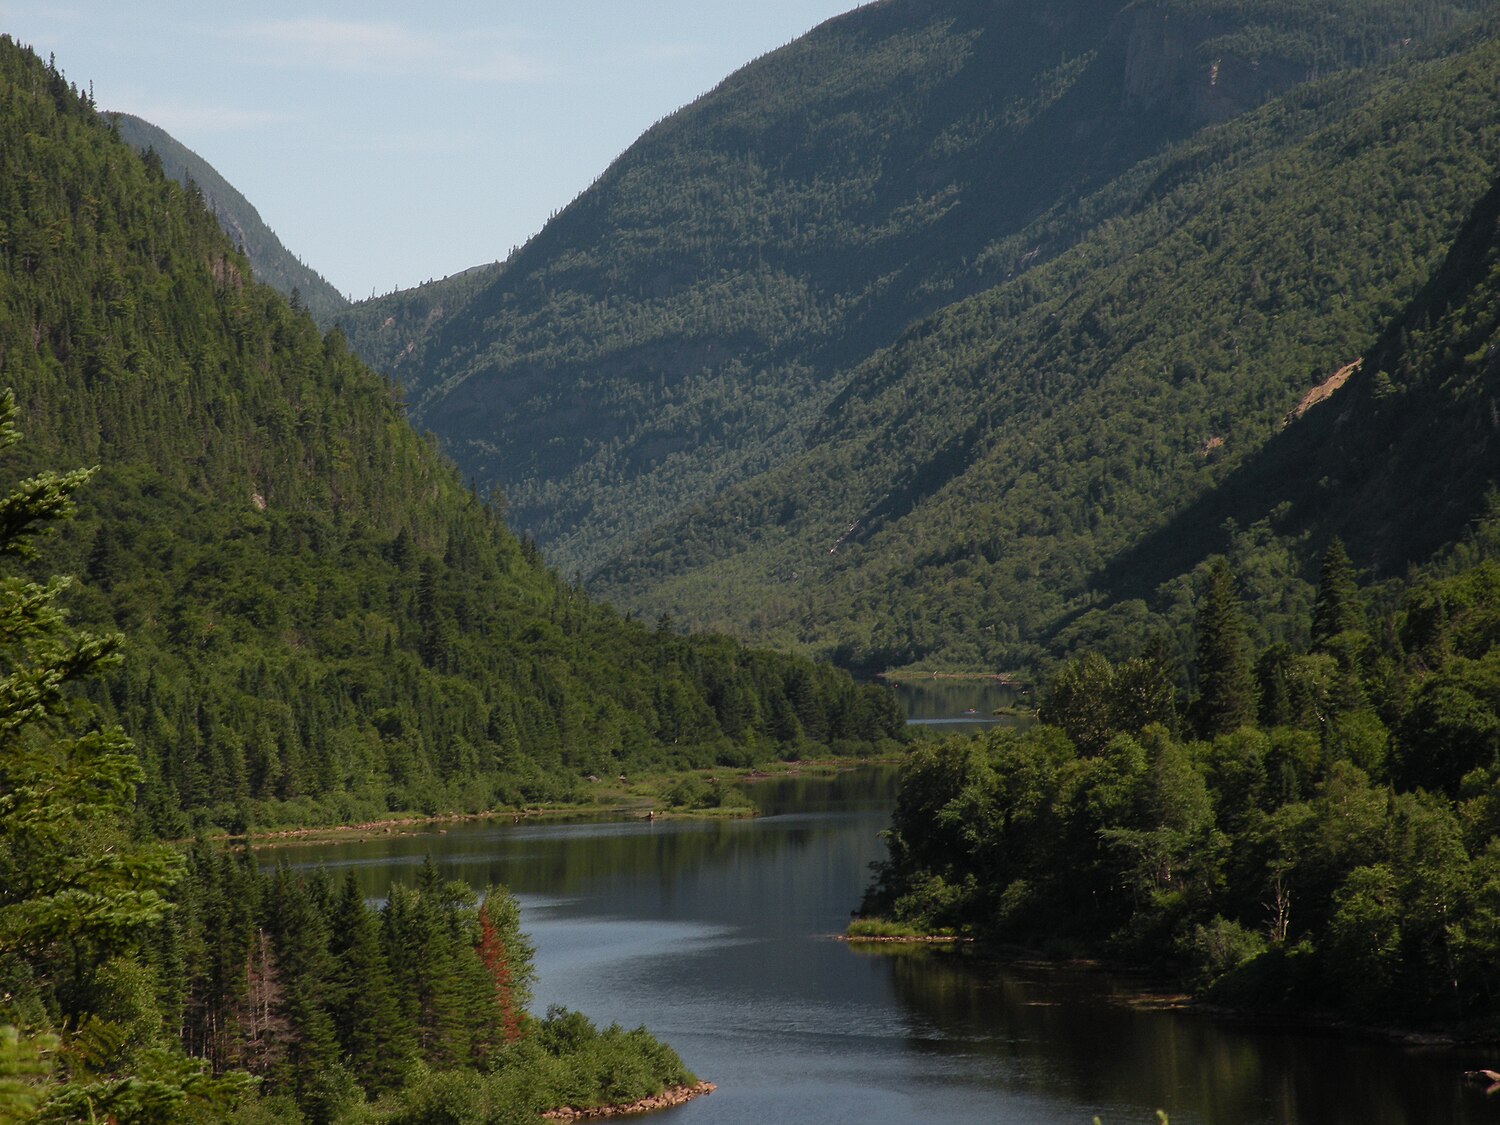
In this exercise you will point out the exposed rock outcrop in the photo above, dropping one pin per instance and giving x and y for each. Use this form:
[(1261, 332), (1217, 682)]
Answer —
[(672, 1096)]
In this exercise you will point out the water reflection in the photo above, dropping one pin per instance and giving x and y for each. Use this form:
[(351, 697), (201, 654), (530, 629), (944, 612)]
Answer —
[(948, 706), (716, 935), (1086, 1032)]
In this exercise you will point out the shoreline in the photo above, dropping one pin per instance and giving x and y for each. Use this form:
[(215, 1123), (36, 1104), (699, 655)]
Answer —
[(411, 825), (616, 807), (667, 1099)]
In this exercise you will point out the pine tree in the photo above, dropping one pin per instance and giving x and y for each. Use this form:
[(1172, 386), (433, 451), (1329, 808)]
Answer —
[(1226, 681)]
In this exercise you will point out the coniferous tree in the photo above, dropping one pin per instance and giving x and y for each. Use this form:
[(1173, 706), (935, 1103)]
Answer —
[(1338, 607), (295, 912), (1226, 680), (81, 904), (72, 892), (63, 792), (506, 955), (375, 1037), (425, 959)]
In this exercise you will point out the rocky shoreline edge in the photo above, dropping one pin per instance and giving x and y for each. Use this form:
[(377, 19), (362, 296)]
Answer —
[(672, 1096)]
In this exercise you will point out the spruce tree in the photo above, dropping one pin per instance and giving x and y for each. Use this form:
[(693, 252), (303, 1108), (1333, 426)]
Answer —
[(299, 928), (424, 956), (375, 1037), (1337, 607), (73, 890), (1226, 681)]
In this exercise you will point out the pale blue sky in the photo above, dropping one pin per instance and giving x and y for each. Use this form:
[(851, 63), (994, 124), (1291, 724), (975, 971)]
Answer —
[(391, 143)]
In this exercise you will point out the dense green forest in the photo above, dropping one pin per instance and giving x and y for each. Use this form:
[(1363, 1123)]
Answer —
[(142, 986), (283, 605), (271, 262), (899, 343), (323, 621), (1294, 807), (1312, 827)]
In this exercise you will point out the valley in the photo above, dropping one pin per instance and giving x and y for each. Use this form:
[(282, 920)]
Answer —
[(1089, 411)]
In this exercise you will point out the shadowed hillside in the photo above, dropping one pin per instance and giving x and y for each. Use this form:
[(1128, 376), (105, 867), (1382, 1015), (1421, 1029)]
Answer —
[(890, 342), (681, 326)]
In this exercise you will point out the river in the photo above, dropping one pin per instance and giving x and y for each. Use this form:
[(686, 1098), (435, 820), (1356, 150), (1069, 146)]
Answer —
[(945, 705), (716, 935)]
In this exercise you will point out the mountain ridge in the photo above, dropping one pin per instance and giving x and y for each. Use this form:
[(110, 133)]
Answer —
[(766, 139), (949, 453), (272, 262)]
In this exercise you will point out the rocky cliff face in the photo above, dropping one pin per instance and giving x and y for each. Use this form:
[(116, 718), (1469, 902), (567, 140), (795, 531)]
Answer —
[(1182, 64)]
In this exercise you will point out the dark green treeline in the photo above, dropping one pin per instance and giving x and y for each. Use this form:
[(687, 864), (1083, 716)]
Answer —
[(408, 1013)]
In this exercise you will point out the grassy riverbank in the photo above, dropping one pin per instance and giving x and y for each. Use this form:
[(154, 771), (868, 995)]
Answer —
[(692, 794), (912, 675)]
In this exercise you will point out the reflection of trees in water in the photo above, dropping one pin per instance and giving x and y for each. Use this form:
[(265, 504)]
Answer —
[(1078, 1034), (560, 859), (869, 787), (944, 699), (1067, 1036)]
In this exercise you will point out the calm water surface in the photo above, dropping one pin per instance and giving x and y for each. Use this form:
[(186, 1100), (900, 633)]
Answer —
[(715, 935), (944, 706)]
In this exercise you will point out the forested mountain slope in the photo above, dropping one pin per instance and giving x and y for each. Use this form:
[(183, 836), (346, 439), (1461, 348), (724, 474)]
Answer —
[(322, 621), (970, 493), (272, 262), (1400, 461), (696, 317)]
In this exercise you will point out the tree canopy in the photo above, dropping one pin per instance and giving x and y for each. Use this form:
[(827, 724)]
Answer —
[(1339, 858)]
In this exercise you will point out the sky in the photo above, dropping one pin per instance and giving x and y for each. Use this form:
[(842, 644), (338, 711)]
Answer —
[(388, 144)]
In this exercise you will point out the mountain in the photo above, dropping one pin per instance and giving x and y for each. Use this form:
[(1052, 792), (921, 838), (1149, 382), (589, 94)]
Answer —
[(272, 262), (890, 345), (970, 492), (322, 621)]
